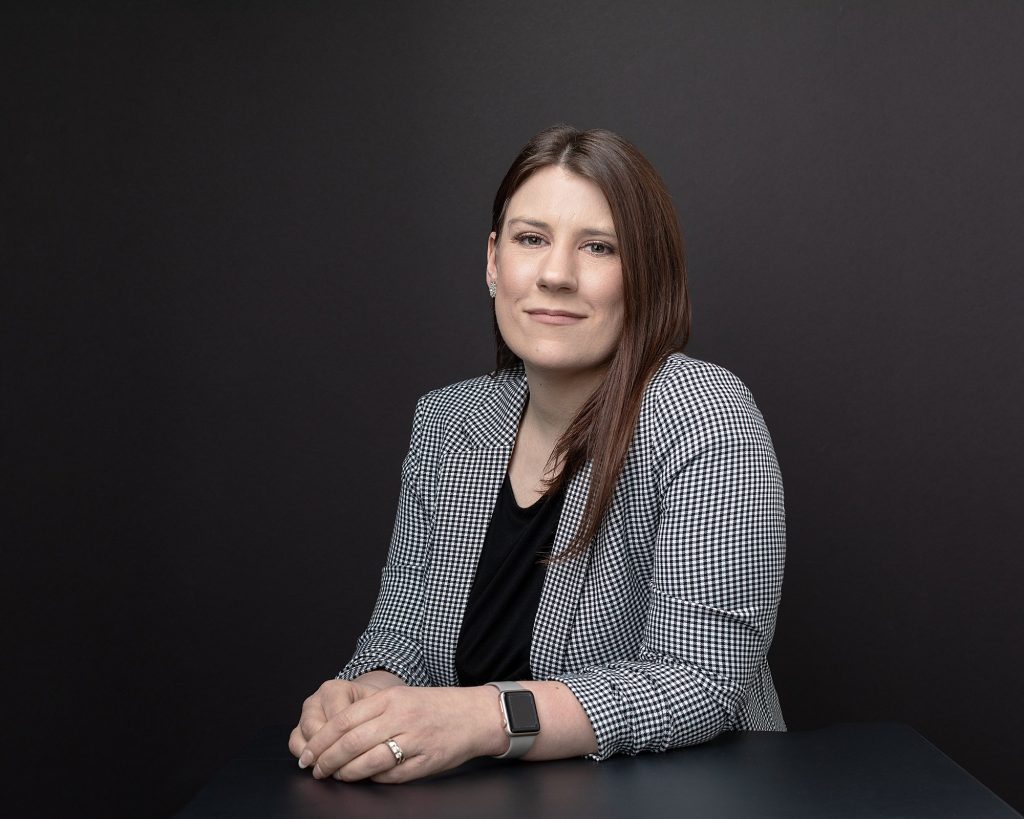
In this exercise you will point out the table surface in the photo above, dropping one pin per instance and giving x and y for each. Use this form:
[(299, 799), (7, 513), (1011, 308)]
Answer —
[(849, 770)]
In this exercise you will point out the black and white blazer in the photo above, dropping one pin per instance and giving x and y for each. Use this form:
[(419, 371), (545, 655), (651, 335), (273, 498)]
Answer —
[(661, 629)]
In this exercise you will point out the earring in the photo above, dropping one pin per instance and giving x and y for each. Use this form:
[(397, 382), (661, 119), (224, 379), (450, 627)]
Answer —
[(492, 288)]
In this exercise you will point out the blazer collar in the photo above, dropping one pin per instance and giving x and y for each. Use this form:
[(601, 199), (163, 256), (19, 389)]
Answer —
[(494, 422)]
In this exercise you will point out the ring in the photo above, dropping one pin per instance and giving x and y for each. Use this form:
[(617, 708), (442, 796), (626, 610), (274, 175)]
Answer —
[(396, 750)]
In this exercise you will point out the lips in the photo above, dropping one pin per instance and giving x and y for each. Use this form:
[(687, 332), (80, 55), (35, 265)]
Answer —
[(564, 313), (554, 316)]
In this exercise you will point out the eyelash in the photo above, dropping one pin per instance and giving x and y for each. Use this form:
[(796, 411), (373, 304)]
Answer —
[(518, 239)]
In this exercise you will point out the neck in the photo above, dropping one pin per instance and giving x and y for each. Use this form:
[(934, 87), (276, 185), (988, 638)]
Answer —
[(556, 397)]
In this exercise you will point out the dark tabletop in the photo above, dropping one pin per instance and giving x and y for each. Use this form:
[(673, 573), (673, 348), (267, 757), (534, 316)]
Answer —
[(874, 770)]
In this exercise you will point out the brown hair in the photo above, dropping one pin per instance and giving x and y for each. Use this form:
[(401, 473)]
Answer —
[(656, 318)]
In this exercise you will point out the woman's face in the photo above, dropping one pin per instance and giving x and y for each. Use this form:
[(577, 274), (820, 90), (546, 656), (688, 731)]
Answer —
[(558, 273)]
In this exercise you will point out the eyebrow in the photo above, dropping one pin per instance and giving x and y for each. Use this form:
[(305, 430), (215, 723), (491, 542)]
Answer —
[(537, 223)]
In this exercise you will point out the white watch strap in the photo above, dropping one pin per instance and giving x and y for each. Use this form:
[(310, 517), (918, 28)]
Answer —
[(517, 745)]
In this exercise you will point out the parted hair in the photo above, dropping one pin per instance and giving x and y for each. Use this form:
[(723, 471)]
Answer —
[(656, 319)]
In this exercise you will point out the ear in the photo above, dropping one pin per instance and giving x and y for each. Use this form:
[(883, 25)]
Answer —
[(492, 266)]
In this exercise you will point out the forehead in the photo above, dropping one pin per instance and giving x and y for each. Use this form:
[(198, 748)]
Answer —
[(556, 194)]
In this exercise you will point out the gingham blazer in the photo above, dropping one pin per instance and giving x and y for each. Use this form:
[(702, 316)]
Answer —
[(662, 627)]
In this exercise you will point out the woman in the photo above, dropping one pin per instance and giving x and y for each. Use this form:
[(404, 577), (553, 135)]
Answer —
[(588, 552)]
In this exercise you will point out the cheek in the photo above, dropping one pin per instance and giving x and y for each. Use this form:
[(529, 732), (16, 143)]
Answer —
[(514, 279), (504, 309), (613, 302), (616, 313)]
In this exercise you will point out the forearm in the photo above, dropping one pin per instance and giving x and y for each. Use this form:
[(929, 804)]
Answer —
[(380, 679), (388, 652), (565, 728), (652, 705)]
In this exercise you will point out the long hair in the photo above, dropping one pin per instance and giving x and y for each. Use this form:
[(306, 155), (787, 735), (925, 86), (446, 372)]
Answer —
[(656, 318)]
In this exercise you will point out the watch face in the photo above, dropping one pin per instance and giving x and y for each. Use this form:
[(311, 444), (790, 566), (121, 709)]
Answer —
[(522, 712)]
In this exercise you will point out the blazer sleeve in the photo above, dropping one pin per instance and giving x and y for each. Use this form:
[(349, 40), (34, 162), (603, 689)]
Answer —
[(393, 639), (713, 596)]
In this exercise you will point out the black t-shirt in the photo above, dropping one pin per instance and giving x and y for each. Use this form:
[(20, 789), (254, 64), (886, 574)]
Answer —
[(497, 628)]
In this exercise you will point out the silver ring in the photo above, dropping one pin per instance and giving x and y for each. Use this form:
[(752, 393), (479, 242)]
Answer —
[(397, 751)]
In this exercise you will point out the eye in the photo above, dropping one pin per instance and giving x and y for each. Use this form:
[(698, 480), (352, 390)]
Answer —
[(600, 248), (528, 239)]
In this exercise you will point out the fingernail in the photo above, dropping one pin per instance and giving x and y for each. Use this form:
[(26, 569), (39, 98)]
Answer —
[(317, 773), (305, 759)]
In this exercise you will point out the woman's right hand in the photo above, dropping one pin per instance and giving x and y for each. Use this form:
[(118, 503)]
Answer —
[(330, 698)]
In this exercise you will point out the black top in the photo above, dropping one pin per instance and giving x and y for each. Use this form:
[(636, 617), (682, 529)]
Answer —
[(497, 627)]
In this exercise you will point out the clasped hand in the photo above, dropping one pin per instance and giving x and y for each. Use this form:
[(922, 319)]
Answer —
[(344, 727)]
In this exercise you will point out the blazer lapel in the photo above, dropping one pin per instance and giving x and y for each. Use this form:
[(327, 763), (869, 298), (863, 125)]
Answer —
[(563, 583), (469, 479)]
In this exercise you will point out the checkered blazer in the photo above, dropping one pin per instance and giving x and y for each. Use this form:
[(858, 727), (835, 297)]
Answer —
[(662, 627)]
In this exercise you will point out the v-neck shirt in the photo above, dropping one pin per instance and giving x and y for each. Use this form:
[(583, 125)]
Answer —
[(497, 627)]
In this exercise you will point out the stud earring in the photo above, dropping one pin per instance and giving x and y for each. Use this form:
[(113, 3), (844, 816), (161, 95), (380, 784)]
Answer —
[(492, 288)]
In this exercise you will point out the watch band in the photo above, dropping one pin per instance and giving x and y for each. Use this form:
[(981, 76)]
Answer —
[(518, 744)]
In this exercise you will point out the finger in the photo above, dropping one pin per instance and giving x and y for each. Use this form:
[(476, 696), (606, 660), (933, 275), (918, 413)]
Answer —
[(413, 768), (377, 760), (296, 741), (310, 724), (338, 725), (313, 716), (356, 742), (336, 698)]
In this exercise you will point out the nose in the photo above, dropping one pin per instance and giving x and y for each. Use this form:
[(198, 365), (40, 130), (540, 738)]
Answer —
[(558, 269)]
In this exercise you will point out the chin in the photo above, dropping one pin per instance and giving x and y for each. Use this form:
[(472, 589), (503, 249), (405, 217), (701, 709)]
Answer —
[(560, 359), (564, 366)]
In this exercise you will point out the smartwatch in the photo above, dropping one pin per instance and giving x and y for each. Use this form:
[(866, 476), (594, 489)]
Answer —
[(520, 714)]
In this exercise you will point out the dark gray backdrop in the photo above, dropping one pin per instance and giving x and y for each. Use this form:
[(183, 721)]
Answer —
[(239, 240)]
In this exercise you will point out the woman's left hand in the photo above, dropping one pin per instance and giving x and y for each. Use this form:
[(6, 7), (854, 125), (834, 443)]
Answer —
[(436, 729)]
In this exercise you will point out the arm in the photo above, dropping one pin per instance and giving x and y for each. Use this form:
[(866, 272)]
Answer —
[(437, 729), (714, 593)]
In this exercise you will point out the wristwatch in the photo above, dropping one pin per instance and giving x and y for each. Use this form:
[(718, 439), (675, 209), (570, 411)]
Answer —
[(521, 721)]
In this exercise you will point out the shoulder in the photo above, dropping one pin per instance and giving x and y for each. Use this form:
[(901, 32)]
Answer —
[(471, 413), (699, 401), (463, 397), (698, 386)]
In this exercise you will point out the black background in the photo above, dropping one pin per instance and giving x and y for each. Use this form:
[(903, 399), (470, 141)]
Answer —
[(240, 239)]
